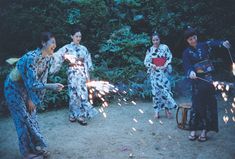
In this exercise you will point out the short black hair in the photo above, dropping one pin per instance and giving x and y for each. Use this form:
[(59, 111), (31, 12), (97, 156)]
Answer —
[(189, 32)]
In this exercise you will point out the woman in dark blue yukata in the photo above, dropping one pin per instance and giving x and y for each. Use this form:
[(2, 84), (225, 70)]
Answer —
[(24, 90), (199, 68)]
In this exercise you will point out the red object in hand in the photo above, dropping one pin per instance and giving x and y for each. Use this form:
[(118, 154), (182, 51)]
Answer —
[(160, 61)]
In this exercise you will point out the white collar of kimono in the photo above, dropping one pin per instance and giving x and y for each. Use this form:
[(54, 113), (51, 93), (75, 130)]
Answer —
[(75, 44), (39, 51)]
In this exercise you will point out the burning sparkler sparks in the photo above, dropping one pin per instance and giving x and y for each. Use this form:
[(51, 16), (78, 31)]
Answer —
[(135, 120), (233, 64), (134, 129), (101, 110), (133, 102), (141, 111), (104, 114), (70, 58), (100, 88), (227, 87), (232, 111), (233, 67), (226, 119), (233, 105), (150, 121)]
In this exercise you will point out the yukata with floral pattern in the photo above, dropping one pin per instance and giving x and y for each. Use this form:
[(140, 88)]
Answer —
[(78, 74), (27, 82), (161, 89), (204, 115)]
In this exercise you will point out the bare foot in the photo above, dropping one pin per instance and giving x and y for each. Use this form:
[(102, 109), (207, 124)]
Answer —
[(42, 151)]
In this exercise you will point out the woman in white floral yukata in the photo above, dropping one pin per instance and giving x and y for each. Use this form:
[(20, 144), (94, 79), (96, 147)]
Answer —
[(78, 74), (157, 60)]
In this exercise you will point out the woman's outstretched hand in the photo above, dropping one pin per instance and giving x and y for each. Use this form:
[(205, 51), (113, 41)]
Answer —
[(226, 44), (192, 75)]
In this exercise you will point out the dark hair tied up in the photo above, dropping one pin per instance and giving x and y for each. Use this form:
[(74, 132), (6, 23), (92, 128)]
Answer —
[(155, 34), (74, 30), (45, 36), (189, 32)]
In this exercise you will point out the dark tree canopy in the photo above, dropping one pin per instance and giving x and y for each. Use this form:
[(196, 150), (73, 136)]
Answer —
[(116, 32)]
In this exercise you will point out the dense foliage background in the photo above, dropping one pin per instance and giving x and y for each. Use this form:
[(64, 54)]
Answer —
[(117, 33)]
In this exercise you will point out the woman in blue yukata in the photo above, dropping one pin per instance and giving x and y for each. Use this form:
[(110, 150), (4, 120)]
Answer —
[(79, 65), (157, 60), (197, 65), (24, 89)]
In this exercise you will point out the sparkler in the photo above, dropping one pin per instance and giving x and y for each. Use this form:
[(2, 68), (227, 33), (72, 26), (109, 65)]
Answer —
[(233, 64), (203, 79), (101, 89)]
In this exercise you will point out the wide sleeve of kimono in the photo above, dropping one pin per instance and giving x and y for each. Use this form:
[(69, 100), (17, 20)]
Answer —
[(210, 44), (26, 67), (168, 56), (148, 59), (213, 43), (187, 64), (57, 60), (88, 60)]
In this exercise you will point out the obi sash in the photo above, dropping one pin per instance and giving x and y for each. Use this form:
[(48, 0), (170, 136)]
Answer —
[(159, 61), (205, 66)]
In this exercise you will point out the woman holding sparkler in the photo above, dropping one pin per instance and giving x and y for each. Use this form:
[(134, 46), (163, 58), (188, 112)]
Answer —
[(157, 60), (80, 64), (24, 90), (198, 67)]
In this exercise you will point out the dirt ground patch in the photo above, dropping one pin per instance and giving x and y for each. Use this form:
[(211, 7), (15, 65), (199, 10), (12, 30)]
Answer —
[(114, 137)]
